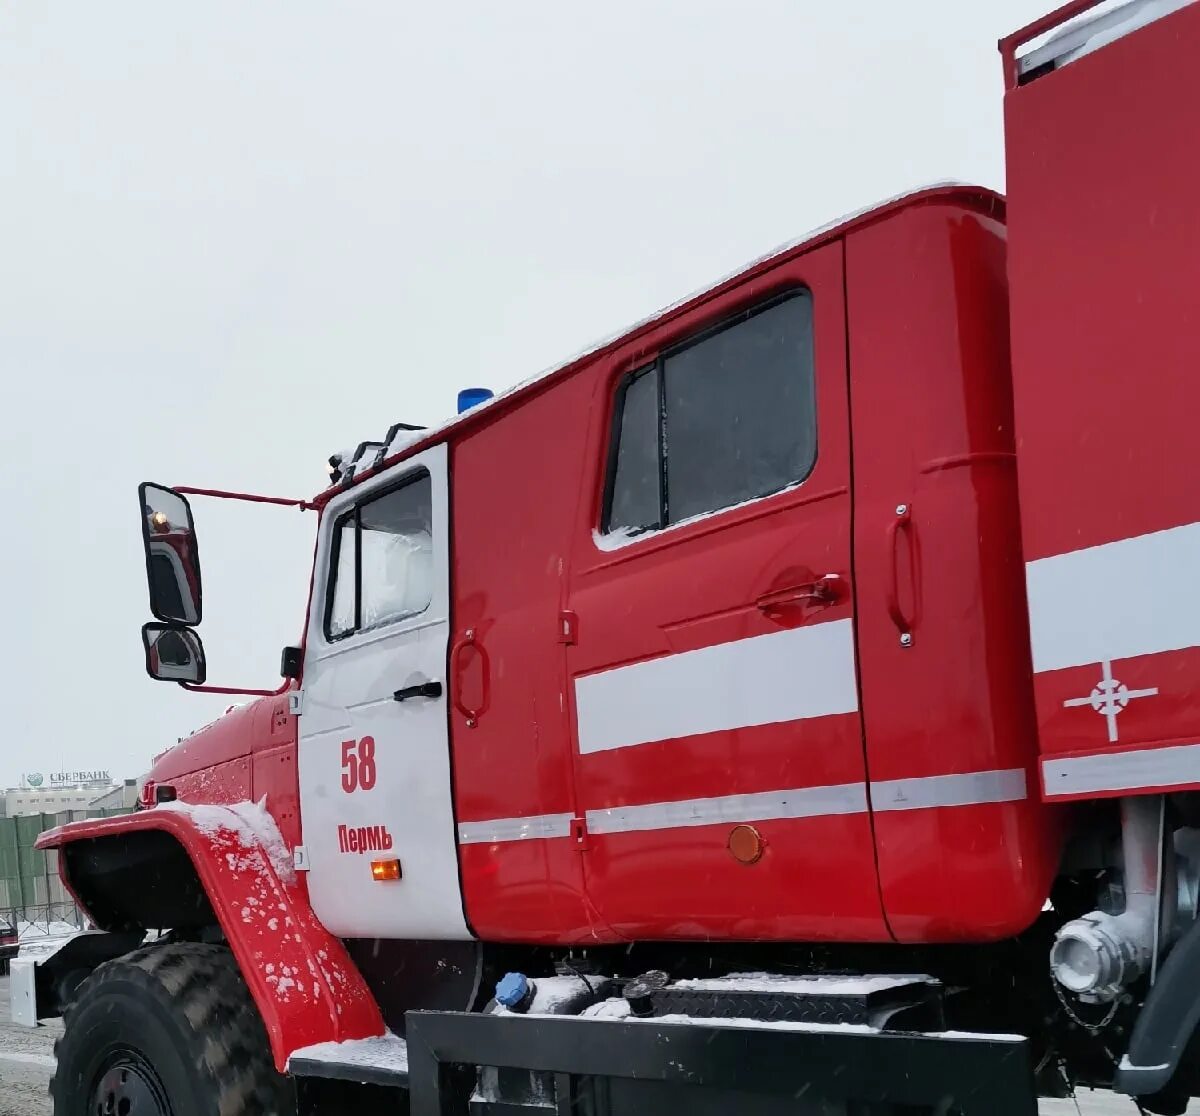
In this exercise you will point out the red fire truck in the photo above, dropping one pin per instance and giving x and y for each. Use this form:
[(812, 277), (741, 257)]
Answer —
[(788, 705)]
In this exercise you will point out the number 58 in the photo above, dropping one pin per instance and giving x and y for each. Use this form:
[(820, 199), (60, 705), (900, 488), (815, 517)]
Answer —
[(358, 764)]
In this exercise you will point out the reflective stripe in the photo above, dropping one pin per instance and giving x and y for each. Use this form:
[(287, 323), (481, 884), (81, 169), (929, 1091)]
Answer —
[(1079, 613), (514, 829), (1116, 771), (803, 802), (770, 679), (971, 789), (929, 792)]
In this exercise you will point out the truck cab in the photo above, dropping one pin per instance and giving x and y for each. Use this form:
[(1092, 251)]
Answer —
[(715, 632)]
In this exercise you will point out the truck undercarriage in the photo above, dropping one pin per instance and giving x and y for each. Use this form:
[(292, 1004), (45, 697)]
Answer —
[(820, 1029)]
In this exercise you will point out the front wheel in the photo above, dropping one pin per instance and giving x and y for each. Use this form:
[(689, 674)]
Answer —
[(169, 1030)]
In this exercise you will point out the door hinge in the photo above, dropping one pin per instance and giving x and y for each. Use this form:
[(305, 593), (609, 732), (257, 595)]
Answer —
[(296, 702), (300, 858), (579, 834), (568, 625)]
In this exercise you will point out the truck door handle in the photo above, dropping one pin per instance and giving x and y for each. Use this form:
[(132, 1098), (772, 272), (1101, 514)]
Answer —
[(420, 690), (901, 523), (458, 657), (825, 590)]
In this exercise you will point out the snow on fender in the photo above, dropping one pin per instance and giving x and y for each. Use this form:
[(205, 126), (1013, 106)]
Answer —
[(303, 982)]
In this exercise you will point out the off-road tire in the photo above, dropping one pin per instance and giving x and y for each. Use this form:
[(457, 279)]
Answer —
[(179, 1022)]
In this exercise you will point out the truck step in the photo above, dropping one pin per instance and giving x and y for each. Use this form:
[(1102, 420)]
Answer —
[(914, 1001), (371, 1061)]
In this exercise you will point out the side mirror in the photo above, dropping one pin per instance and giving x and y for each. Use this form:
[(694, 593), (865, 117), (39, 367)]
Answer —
[(172, 560), (174, 654)]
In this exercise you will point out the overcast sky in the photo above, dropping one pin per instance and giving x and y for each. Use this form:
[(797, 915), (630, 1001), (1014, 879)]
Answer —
[(236, 237)]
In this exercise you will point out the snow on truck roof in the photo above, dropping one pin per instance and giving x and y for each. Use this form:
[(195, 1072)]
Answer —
[(407, 441), (1092, 31)]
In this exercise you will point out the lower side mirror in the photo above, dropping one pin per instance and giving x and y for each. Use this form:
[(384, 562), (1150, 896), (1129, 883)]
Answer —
[(173, 653)]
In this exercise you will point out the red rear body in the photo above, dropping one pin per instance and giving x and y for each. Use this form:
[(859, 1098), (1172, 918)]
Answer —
[(1105, 244)]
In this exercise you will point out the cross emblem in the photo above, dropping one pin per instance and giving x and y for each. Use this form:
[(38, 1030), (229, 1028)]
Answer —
[(1109, 697)]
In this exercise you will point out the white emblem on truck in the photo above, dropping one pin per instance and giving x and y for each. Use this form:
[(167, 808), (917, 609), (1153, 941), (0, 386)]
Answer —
[(1109, 697)]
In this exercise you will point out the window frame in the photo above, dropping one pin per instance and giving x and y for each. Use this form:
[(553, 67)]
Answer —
[(614, 445), (657, 368), (335, 549)]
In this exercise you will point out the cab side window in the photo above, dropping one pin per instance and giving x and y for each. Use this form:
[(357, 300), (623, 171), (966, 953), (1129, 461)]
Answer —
[(726, 417), (381, 562)]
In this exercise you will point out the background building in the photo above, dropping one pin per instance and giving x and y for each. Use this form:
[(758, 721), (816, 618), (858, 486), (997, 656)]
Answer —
[(122, 796), (58, 791), (30, 890)]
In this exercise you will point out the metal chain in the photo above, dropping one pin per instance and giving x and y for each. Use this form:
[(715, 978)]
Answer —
[(1091, 1028)]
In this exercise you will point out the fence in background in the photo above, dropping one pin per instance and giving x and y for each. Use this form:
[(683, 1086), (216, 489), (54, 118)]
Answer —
[(50, 921), (30, 890)]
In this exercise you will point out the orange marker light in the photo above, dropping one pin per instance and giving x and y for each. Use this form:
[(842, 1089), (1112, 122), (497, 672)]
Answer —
[(385, 869), (746, 844)]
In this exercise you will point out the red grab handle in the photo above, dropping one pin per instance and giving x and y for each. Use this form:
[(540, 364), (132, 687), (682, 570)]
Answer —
[(457, 669), (904, 624)]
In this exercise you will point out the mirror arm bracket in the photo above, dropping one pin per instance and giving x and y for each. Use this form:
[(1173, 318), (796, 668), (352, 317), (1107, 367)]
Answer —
[(236, 690), (248, 497)]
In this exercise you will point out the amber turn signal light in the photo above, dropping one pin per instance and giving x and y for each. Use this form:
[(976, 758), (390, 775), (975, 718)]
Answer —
[(385, 869)]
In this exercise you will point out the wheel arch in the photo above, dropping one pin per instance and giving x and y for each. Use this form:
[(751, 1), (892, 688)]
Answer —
[(223, 866)]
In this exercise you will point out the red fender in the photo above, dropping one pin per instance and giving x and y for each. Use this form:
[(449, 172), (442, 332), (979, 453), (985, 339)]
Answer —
[(307, 988)]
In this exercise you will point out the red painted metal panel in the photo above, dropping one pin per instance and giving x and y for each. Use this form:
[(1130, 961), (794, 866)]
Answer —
[(697, 586), (1103, 173), (247, 754), (1158, 704), (1104, 243), (228, 738), (514, 490), (747, 760), (305, 985), (933, 432), (814, 882), (274, 774), (529, 891), (221, 783)]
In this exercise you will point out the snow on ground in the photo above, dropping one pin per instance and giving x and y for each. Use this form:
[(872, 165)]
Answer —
[(32, 931)]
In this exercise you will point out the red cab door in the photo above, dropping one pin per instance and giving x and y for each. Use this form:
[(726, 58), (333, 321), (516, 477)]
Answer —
[(712, 680)]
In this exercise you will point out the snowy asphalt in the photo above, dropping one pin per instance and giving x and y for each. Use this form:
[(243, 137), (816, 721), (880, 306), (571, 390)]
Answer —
[(27, 1060)]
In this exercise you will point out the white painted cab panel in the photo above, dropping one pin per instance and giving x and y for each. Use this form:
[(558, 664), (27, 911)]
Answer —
[(348, 695)]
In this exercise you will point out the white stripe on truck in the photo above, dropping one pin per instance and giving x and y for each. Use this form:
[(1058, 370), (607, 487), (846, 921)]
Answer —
[(790, 675)]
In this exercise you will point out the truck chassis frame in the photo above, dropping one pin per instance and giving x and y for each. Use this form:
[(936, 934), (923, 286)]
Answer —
[(605, 1068)]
